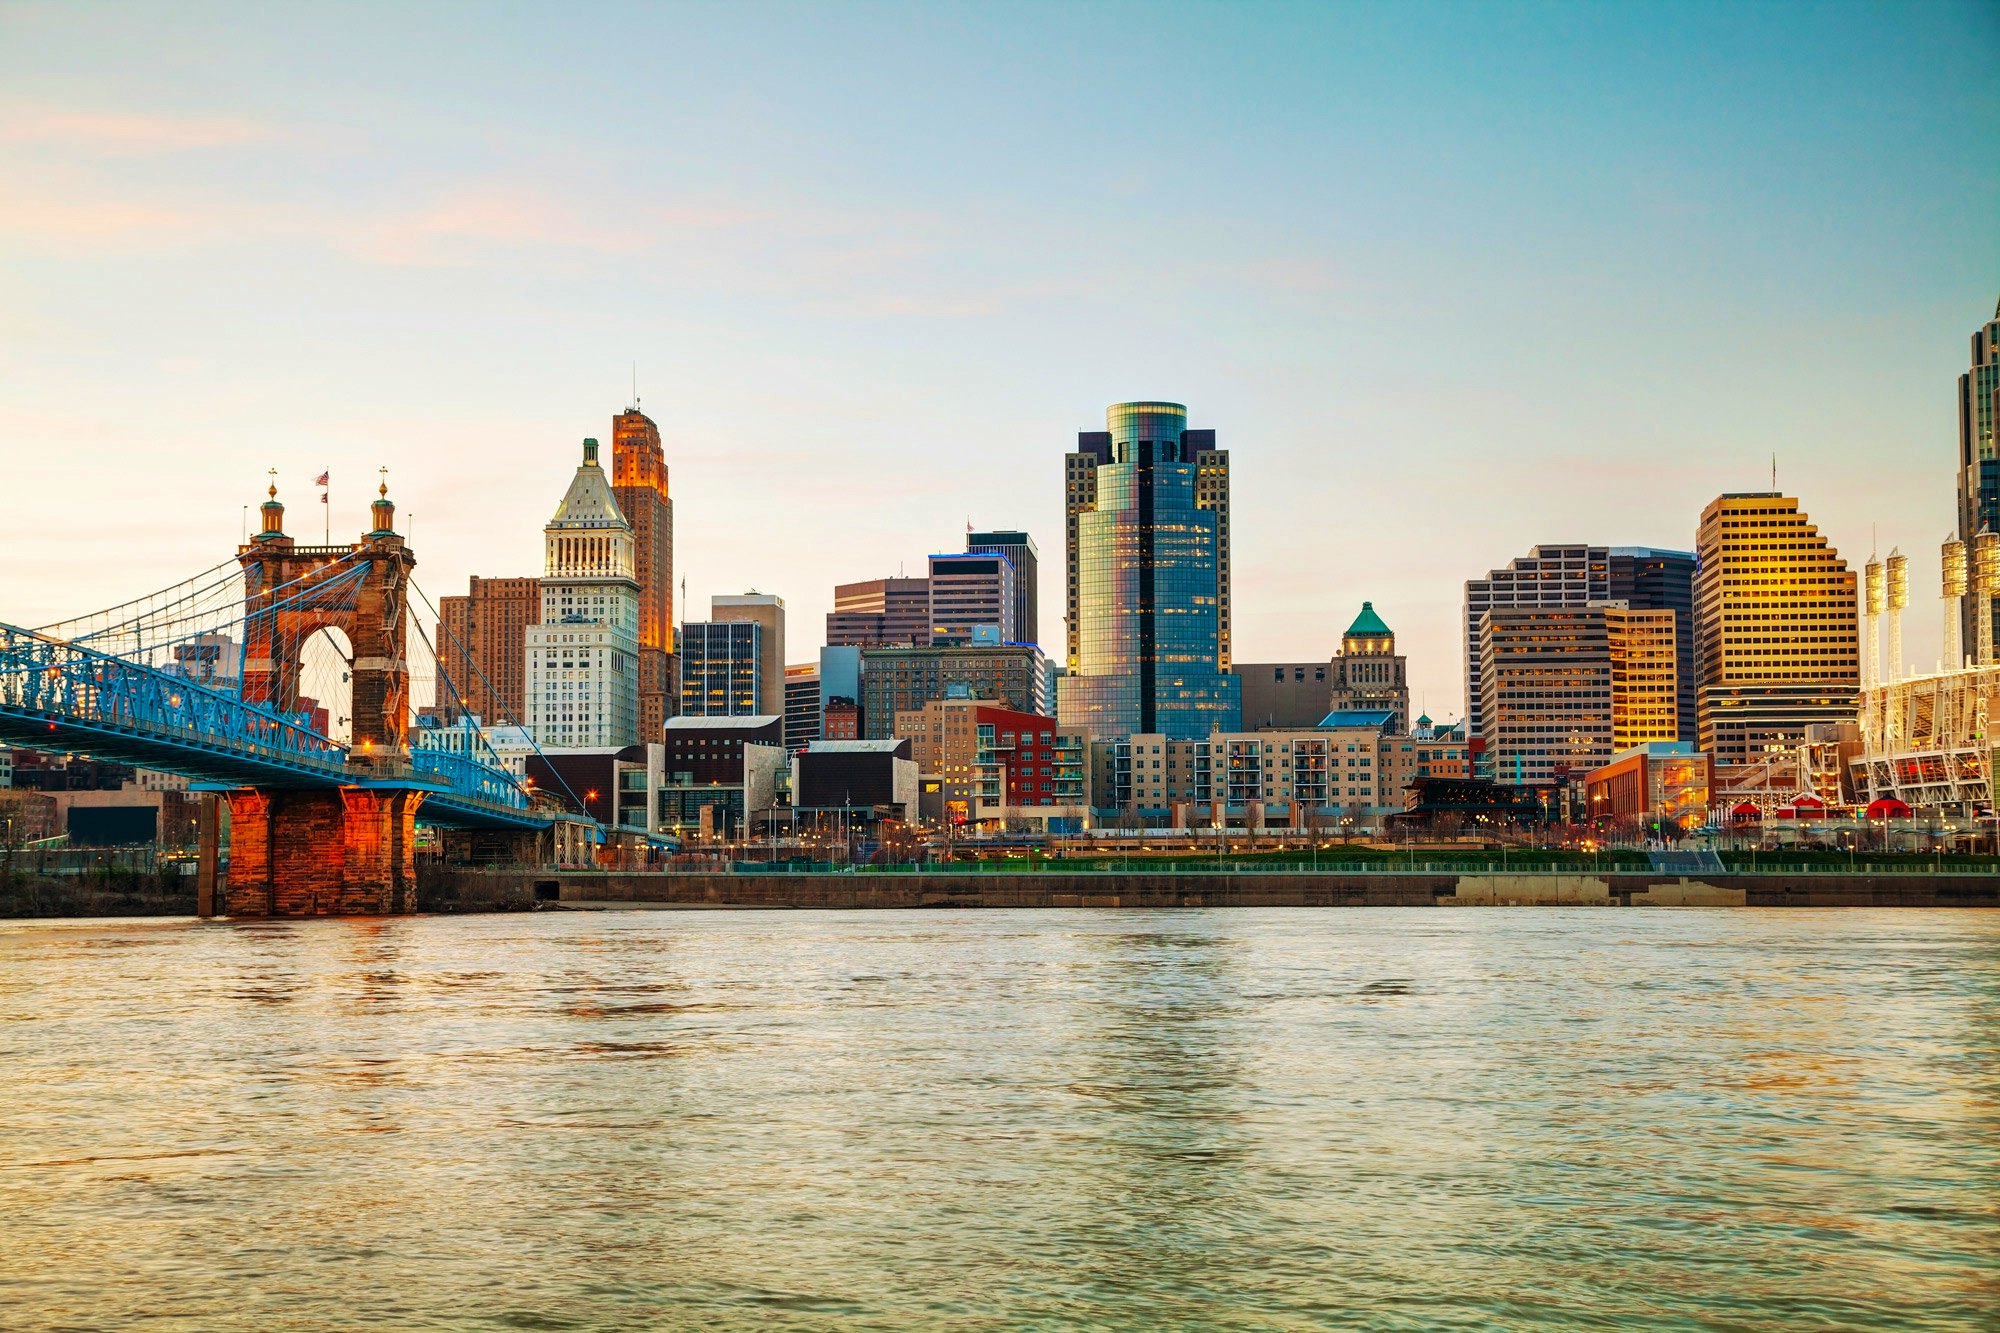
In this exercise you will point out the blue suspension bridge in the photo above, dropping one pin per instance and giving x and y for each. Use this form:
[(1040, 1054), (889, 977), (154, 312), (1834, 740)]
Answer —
[(205, 679)]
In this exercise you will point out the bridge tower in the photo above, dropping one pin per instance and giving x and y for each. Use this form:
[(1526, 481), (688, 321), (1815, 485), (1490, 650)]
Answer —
[(305, 852)]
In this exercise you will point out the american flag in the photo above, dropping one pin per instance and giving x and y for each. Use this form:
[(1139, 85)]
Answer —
[(322, 478)]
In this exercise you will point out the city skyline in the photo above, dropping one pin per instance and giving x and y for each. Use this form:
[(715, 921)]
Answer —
[(838, 350)]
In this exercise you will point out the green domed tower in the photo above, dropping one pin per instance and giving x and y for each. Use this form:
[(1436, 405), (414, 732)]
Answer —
[(1368, 673)]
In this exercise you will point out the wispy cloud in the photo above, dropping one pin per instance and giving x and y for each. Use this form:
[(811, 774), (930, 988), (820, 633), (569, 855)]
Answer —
[(124, 133), (72, 222)]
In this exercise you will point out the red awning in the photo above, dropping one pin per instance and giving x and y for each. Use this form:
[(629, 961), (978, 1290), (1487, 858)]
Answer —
[(1746, 812), (1887, 808)]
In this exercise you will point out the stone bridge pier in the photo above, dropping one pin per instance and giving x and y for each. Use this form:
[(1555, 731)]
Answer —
[(322, 853)]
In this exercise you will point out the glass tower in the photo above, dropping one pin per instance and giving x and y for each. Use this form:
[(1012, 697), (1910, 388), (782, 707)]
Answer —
[(1148, 579), (1979, 451)]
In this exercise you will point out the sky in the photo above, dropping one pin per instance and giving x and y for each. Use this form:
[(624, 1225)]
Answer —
[(1448, 280)]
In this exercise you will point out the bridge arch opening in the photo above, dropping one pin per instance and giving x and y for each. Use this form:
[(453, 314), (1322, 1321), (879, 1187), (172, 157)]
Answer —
[(326, 678)]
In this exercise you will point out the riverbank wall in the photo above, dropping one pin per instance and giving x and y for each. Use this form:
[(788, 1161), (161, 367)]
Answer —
[(120, 893), (466, 889)]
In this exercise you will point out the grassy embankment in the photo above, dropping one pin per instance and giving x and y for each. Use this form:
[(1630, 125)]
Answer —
[(104, 892)]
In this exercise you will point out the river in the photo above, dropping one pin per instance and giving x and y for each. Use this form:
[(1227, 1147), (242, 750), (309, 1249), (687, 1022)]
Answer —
[(1234, 1119)]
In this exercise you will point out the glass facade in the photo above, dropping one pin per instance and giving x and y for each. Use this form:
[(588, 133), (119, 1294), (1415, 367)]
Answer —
[(1979, 452), (1147, 563)]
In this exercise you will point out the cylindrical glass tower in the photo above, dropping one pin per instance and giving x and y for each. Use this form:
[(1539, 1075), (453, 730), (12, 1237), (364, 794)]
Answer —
[(1147, 570)]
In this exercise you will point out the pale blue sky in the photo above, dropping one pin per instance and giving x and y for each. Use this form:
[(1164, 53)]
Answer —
[(1449, 279)]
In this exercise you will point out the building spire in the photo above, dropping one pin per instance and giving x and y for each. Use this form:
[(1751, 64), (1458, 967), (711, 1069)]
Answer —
[(273, 510), (384, 509)]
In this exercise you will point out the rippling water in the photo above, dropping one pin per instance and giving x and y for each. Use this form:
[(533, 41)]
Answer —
[(1589, 1119)]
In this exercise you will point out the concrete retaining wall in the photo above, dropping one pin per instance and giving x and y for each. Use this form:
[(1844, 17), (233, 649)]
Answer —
[(490, 890)]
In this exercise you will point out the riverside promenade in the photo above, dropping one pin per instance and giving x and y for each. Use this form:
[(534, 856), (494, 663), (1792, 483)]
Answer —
[(467, 889)]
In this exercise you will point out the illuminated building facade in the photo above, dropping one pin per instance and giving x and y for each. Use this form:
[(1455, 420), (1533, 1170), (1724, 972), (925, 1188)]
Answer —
[(639, 483), (582, 658), (993, 761), (802, 705), (1148, 578), (971, 591), (723, 667), (880, 613), (1658, 786), (1571, 575), (1647, 579), (1776, 629), (765, 611), (1563, 688), (1348, 773), (482, 643), (1369, 673)]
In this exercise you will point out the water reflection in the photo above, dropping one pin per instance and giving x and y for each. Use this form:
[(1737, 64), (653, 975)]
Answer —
[(1120, 1120)]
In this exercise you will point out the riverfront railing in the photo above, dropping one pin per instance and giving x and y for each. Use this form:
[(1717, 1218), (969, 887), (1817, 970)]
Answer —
[(1981, 868)]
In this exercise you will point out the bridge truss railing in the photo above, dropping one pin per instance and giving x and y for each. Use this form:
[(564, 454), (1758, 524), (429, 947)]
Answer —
[(470, 778), (62, 682)]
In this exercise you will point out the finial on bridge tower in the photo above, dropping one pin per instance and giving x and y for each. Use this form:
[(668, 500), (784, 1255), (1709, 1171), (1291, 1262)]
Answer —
[(273, 510), (384, 508)]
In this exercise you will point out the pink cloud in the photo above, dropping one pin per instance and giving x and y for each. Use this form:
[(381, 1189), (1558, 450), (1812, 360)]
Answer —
[(125, 133)]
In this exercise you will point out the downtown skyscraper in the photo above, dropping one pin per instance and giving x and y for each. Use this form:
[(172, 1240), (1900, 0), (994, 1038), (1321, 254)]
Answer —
[(583, 658), (1979, 454), (1147, 561), (639, 482), (1572, 576), (1776, 628)]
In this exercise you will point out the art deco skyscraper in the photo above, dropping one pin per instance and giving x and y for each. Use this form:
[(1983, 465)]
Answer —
[(583, 658), (1369, 673), (1148, 578), (639, 482), (1979, 452), (1776, 628)]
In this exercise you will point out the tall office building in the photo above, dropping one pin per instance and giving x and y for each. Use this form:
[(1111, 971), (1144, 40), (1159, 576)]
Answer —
[(482, 643), (1148, 578), (1369, 674), (639, 483), (1651, 580), (582, 659), (969, 593), (1979, 454), (724, 667), (1562, 689), (880, 613), (766, 610), (1575, 575), (1777, 631), (896, 680), (1019, 548), (1547, 578), (803, 718)]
